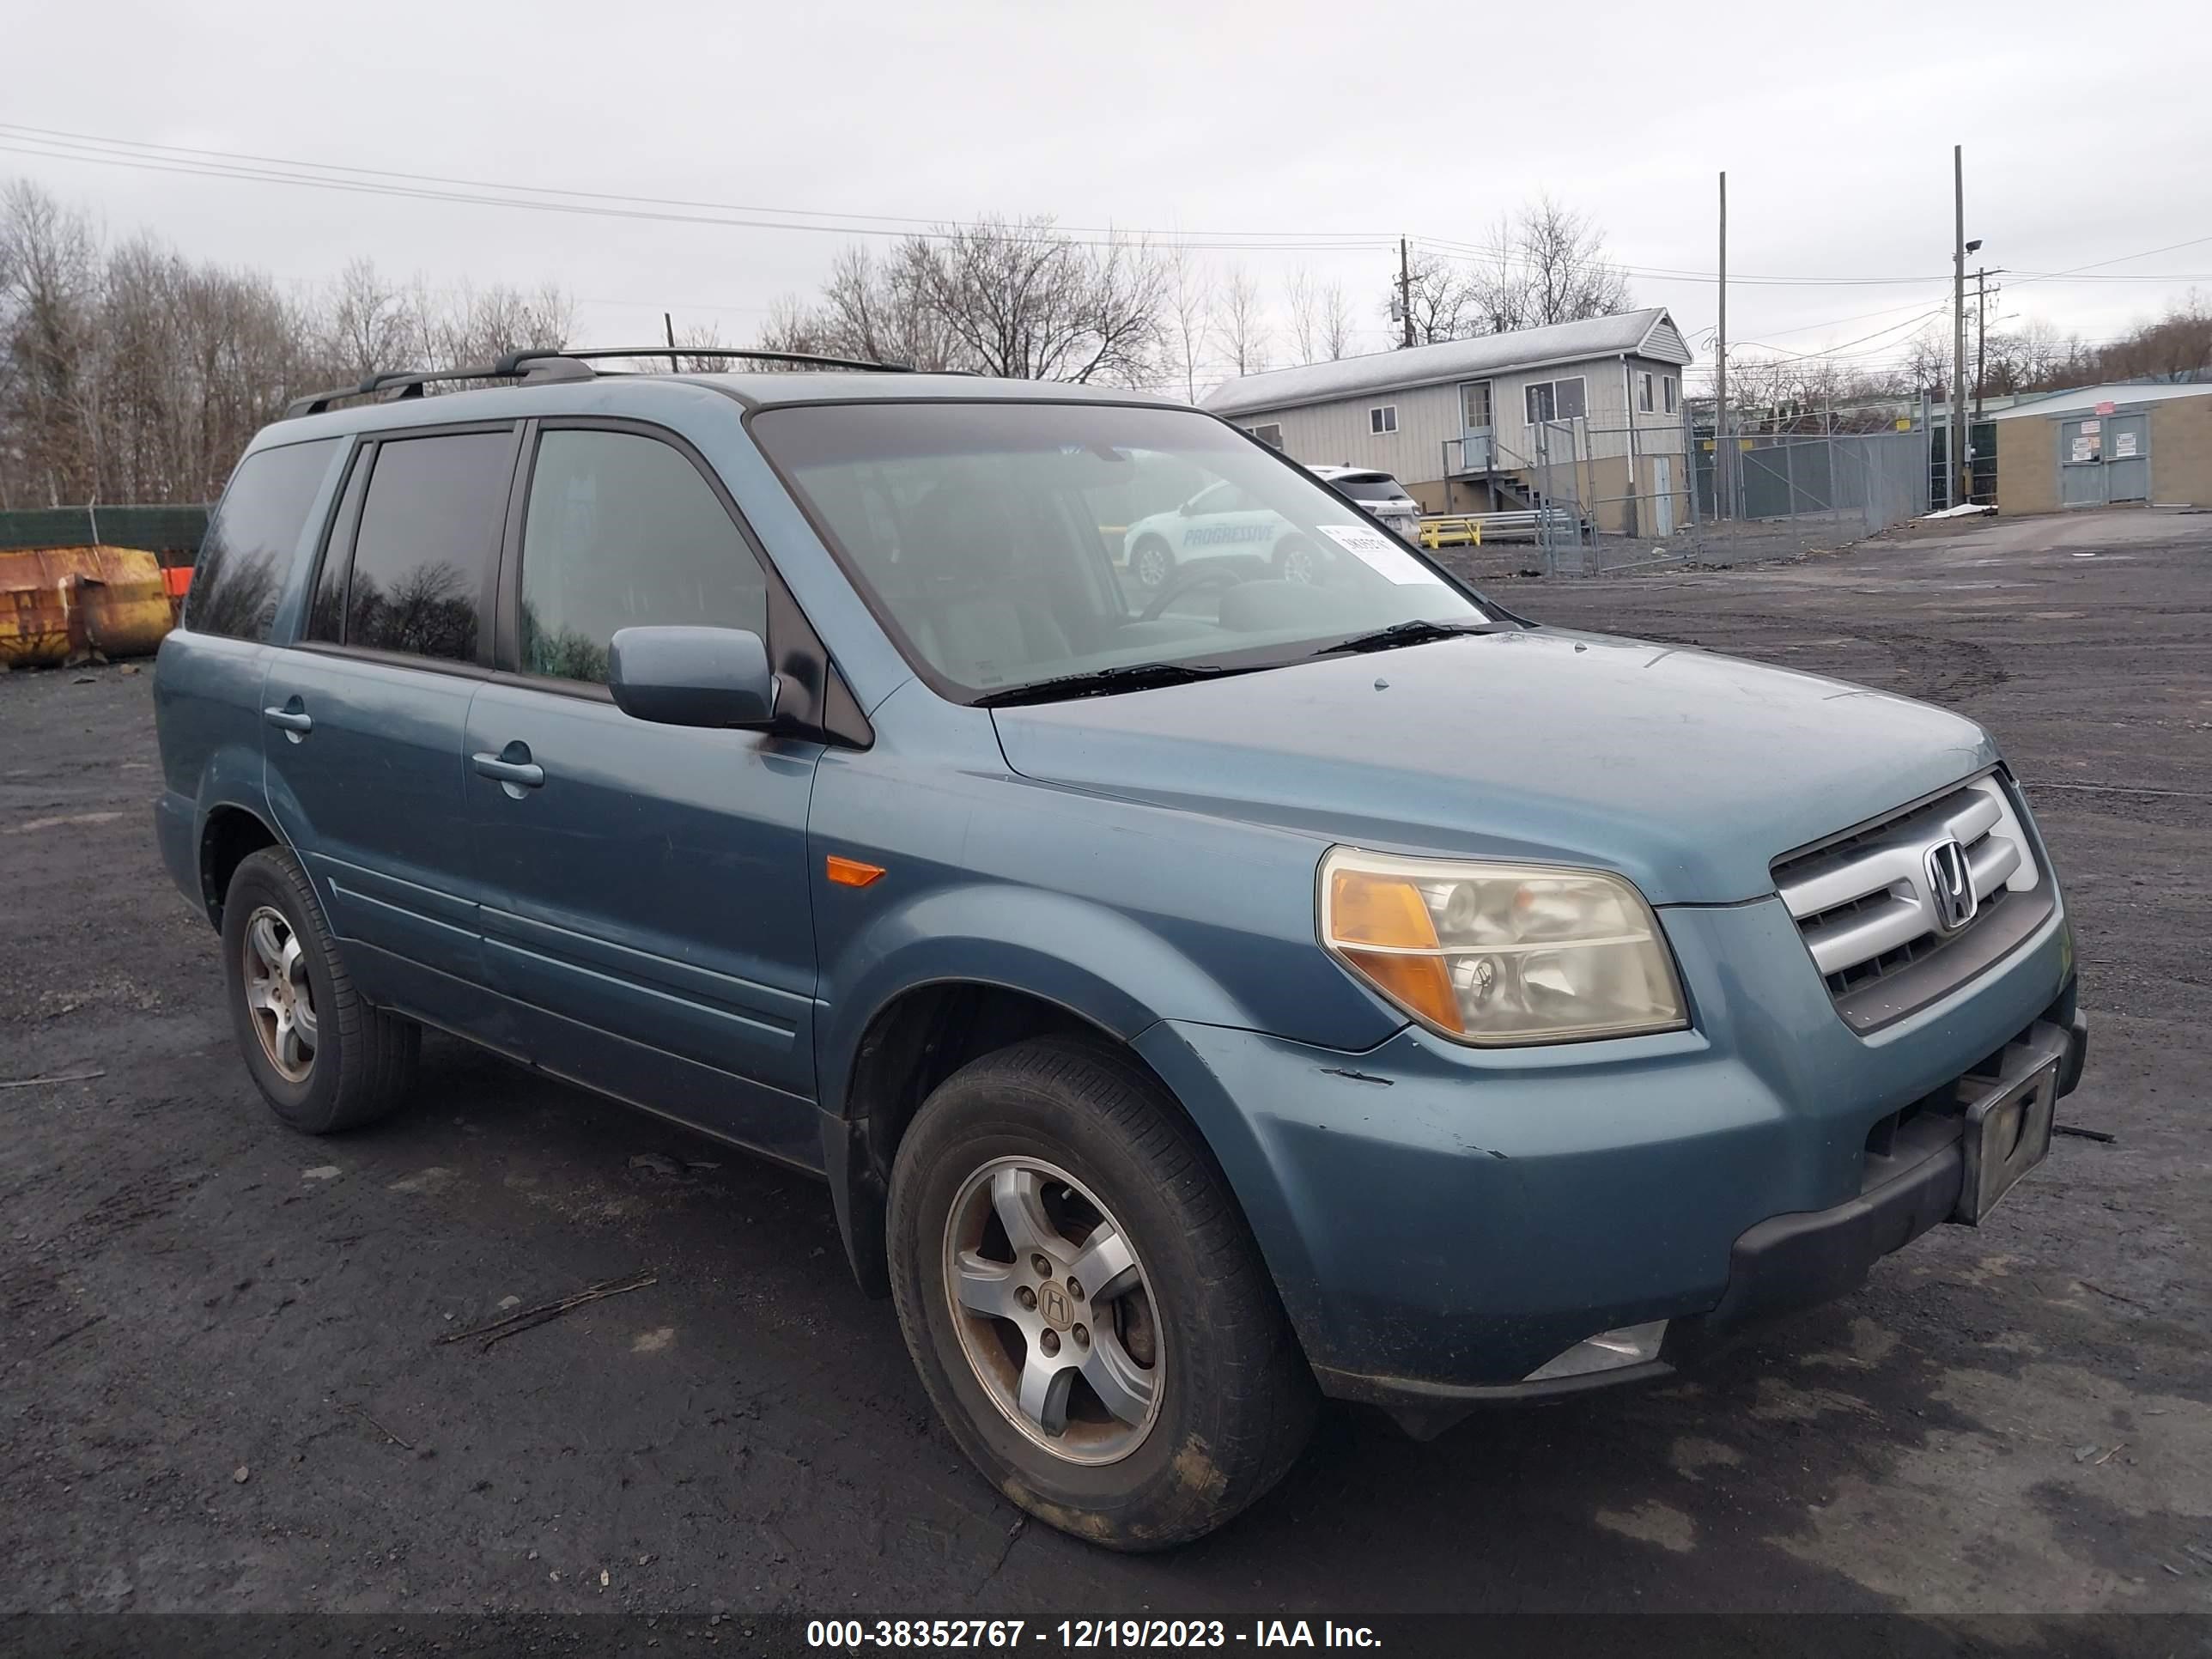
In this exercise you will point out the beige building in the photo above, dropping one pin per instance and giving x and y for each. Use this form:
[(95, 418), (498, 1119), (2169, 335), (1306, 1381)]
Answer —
[(2106, 446), (1589, 413)]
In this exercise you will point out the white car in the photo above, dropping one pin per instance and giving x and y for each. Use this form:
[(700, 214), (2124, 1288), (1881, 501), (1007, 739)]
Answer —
[(1221, 521), (1378, 493)]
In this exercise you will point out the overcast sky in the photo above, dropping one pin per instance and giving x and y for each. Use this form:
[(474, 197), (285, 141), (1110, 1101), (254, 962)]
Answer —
[(2087, 128)]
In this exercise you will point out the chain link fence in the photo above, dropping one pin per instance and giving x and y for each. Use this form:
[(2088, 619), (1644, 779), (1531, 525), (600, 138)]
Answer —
[(1612, 499)]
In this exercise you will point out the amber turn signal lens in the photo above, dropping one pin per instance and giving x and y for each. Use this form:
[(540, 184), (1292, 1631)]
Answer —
[(1421, 984), (1369, 909), (852, 872), (1366, 909)]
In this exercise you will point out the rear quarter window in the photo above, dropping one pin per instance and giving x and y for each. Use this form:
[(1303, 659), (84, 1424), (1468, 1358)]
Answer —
[(253, 537)]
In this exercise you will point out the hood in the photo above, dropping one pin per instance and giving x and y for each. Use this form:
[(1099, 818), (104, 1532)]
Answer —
[(1687, 772)]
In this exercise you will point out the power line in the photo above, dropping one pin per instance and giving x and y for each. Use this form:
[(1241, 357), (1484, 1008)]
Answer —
[(1468, 252), (61, 144), (218, 164), (1842, 350), (2119, 259)]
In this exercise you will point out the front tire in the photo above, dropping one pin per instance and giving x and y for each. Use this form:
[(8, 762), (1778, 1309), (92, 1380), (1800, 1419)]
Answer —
[(1152, 563), (1087, 1309), (1296, 562), (324, 1059)]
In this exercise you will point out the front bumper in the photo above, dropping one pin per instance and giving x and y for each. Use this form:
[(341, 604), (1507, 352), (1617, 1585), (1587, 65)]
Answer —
[(1781, 1265), (1442, 1221)]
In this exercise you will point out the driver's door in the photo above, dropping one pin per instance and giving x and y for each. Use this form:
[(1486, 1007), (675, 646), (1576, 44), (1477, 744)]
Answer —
[(646, 900)]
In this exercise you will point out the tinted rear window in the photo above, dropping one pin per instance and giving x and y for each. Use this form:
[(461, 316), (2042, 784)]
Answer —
[(1378, 487), (253, 538), (428, 542)]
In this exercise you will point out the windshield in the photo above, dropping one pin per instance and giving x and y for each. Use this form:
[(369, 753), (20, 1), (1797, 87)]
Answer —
[(1008, 543), (1369, 486)]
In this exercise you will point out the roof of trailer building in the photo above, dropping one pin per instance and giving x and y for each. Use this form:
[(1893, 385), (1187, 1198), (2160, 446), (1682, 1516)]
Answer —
[(2083, 400), (1647, 333)]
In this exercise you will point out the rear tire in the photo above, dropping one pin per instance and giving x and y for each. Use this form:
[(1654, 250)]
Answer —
[(1213, 1400), (323, 1059)]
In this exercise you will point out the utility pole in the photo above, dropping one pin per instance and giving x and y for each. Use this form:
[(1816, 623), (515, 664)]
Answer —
[(1722, 501), (1954, 447), (1982, 275), (1404, 293)]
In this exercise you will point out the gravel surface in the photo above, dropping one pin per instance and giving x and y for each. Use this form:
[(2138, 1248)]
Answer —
[(221, 1387)]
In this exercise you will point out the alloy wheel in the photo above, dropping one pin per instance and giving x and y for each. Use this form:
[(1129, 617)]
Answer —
[(1054, 1310), (278, 996), (1152, 567)]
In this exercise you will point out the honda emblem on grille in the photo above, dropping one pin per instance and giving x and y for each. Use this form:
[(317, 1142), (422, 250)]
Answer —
[(1950, 885)]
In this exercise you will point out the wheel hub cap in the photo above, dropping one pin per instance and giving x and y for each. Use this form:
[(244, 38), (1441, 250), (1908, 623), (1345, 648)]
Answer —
[(278, 998), (1054, 1310)]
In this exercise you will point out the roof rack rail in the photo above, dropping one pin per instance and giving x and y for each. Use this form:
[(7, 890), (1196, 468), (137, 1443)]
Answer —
[(410, 381), (553, 364), (512, 362)]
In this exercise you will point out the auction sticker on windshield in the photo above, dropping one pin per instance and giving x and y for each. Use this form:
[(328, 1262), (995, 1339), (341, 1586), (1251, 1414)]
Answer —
[(1378, 552)]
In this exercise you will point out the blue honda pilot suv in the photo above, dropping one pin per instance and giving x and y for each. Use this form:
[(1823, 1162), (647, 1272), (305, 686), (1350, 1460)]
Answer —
[(1305, 979)]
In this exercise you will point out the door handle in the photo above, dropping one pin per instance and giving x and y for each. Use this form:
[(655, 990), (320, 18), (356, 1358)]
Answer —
[(524, 772), (293, 718)]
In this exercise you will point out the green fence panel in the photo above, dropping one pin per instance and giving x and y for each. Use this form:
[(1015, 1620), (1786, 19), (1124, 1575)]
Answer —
[(175, 533)]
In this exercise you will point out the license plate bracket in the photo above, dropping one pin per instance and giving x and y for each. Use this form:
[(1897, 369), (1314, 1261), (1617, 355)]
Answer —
[(2008, 1126)]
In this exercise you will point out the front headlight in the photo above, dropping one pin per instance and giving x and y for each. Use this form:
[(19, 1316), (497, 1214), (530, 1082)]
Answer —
[(1501, 953)]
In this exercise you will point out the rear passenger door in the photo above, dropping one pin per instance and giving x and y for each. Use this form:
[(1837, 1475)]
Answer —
[(646, 895), (366, 715)]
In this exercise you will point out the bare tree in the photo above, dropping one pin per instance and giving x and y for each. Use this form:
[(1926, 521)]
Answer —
[(1441, 297), (1240, 323), (1023, 301), (1014, 298), (368, 326), (133, 374), (871, 309), (48, 257), (1190, 293), (1498, 284), (1545, 264), (1566, 272), (1305, 296), (1335, 322)]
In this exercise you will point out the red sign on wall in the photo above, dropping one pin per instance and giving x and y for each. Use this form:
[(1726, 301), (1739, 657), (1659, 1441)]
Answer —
[(2107, 408)]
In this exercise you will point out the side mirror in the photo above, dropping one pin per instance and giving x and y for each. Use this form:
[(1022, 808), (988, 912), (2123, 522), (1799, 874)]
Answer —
[(711, 676)]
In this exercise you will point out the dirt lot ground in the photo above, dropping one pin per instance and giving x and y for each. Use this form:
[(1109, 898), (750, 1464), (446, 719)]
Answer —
[(218, 1387)]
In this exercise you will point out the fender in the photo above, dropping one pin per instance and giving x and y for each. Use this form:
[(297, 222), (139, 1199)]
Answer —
[(230, 781), (1097, 962)]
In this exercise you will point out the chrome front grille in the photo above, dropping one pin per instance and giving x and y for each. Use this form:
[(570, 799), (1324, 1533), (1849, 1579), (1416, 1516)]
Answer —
[(1870, 907)]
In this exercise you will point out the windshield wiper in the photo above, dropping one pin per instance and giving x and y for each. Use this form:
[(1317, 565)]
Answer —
[(1418, 630), (1096, 682)]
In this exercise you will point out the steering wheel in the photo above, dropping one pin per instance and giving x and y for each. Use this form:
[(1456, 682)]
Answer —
[(1192, 578)]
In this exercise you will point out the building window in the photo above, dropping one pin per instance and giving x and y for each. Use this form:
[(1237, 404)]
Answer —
[(1556, 400), (1384, 419), (1644, 393), (1270, 434), (1671, 405)]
